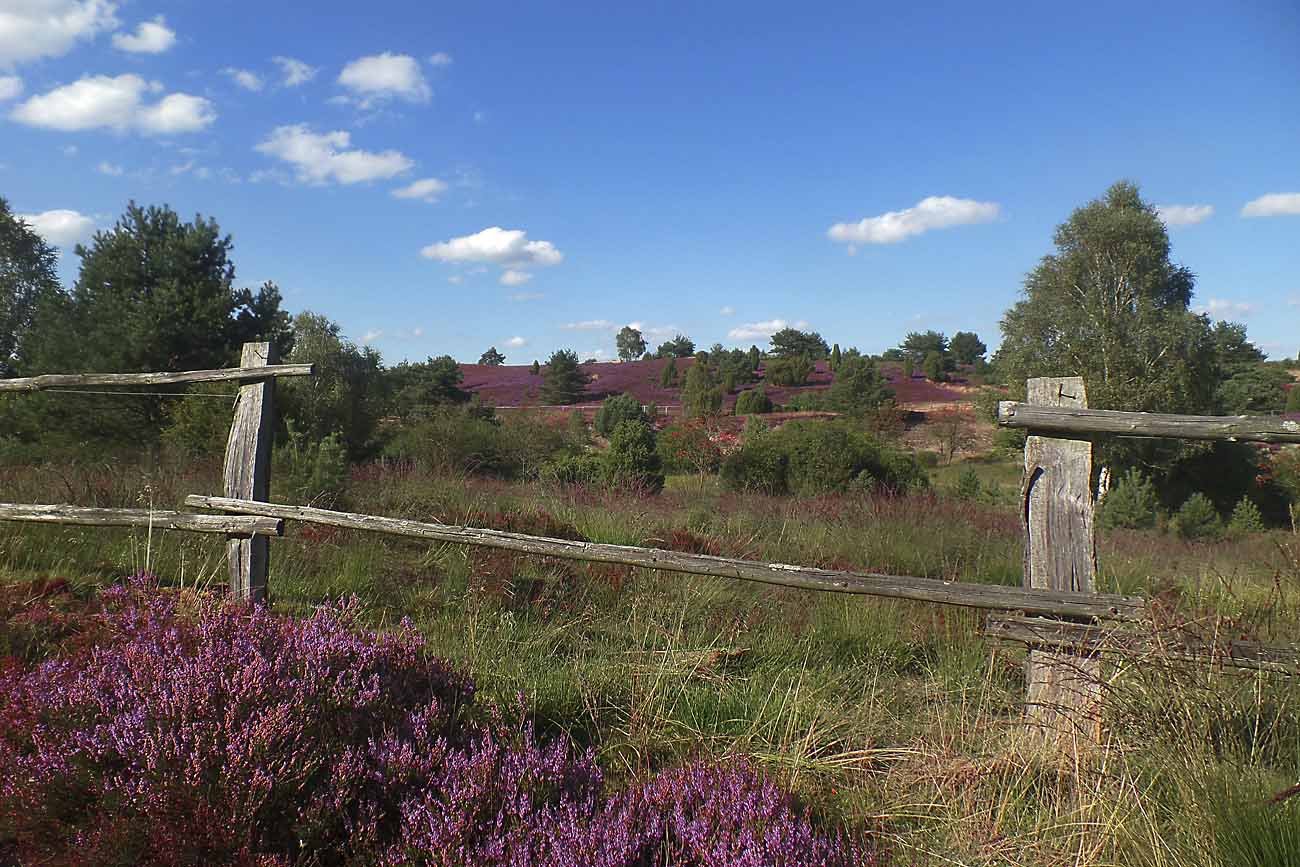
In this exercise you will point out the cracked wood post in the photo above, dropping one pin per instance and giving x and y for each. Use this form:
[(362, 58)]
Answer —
[(1063, 688), (248, 471)]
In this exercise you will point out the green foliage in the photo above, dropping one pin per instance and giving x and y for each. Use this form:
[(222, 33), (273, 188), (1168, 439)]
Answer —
[(791, 343), (492, 358), (632, 460), (688, 448), (1131, 503), (680, 346), (753, 401), (198, 424), (417, 388), (347, 394), (586, 469), (615, 409), (536, 369), (909, 368), (836, 357), (701, 396), (1246, 518), (791, 372), (809, 458), (631, 345), (1250, 829), (754, 357), (668, 376), (966, 347), (311, 471), (469, 438), (28, 278), (1293, 398), (933, 367), (1253, 390), (968, 485), (565, 382), (1198, 519), (857, 388), (917, 345)]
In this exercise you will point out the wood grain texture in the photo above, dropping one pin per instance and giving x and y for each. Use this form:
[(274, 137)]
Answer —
[(247, 472), (1063, 689), (84, 380), (158, 519), (1163, 645), (987, 596), (1082, 422)]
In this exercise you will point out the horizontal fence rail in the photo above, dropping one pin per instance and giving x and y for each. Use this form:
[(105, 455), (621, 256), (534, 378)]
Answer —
[(233, 525), (1176, 645), (1085, 422), (1105, 607), (50, 381)]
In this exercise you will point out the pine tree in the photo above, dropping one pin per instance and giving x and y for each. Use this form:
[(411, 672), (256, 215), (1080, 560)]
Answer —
[(536, 368), (701, 396), (668, 379), (565, 381), (836, 357)]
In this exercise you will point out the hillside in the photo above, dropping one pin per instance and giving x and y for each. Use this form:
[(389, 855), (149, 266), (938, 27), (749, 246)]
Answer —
[(516, 385)]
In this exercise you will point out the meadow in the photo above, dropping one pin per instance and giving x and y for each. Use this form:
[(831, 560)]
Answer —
[(888, 718)]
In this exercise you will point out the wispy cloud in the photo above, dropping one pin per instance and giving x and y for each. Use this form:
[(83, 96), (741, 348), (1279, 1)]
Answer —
[(1184, 215), (1219, 308), (934, 212), (1273, 205), (589, 325)]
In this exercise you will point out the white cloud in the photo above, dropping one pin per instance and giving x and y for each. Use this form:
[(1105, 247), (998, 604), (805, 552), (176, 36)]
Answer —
[(932, 212), (102, 102), (756, 330), (727, 310), (32, 29), (425, 189), (372, 335), (385, 76), (1219, 308), (440, 58), (520, 297), (509, 248), (110, 169), (516, 342), (1273, 205), (244, 78), (320, 158), (11, 87), (150, 37), (294, 71), (655, 331), (513, 277), (590, 325), (60, 227), (1184, 215)]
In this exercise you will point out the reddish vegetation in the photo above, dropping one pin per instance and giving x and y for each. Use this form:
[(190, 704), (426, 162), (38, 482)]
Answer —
[(515, 385)]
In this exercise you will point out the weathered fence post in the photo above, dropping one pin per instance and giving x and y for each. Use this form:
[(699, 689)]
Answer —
[(248, 471), (1060, 554)]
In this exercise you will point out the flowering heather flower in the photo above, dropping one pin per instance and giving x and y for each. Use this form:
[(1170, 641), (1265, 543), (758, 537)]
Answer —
[(192, 731)]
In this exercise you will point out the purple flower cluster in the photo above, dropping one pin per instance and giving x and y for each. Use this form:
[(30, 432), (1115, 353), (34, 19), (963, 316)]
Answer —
[(194, 731)]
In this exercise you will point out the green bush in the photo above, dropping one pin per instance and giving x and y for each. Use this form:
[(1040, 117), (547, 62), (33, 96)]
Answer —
[(632, 460), (1246, 518), (687, 447), (1132, 503), (617, 408), (583, 469), (810, 458), (753, 402), (470, 439), (928, 459), (198, 424), (806, 401), (968, 485), (1198, 519), (792, 371), (311, 472)]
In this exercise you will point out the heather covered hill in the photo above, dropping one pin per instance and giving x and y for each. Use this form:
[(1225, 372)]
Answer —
[(517, 385)]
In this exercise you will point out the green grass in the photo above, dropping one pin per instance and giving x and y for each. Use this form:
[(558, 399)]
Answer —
[(888, 713)]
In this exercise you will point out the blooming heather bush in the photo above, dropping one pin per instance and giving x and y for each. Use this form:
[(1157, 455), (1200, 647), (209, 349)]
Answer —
[(191, 731)]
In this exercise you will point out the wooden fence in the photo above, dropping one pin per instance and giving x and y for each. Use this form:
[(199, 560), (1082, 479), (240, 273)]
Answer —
[(1057, 613)]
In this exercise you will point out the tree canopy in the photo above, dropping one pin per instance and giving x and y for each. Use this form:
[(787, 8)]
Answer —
[(492, 358), (565, 382), (680, 346), (918, 344), (631, 345), (27, 276), (966, 347), (789, 342)]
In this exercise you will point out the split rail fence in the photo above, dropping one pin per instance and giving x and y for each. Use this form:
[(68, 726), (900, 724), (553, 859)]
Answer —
[(1057, 613)]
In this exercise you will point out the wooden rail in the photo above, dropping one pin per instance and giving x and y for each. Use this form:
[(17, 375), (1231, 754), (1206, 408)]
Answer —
[(991, 596), (152, 518), (1174, 645), (83, 380), (1086, 422)]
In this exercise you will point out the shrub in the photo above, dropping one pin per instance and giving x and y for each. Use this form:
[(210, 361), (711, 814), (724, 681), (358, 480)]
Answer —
[(615, 409), (464, 440), (182, 730), (198, 424), (1132, 503), (792, 372), (668, 378), (701, 396), (632, 460), (929, 460), (1246, 518), (584, 469), (565, 382), (858, 388), (1198, 519), (809, 458), (806, 401), (1293, 399), (311, 472), (933, 367), (688, 448), (968, 485), (753, 402)]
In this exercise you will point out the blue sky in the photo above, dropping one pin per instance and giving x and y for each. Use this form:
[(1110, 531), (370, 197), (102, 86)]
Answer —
[(441, 178)]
